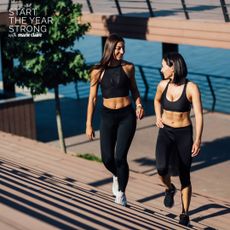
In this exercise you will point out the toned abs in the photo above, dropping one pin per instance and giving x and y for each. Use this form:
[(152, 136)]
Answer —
[(176, 119), (117, 102)]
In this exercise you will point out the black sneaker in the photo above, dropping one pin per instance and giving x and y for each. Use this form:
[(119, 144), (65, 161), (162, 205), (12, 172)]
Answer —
[(169, 196), (184, 219)]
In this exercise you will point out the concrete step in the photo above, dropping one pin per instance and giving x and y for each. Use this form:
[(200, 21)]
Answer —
[(51, 201)]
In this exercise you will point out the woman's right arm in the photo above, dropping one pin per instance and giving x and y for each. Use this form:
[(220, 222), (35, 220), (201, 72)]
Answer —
[(157, 106), (197, 107), (92, 103)]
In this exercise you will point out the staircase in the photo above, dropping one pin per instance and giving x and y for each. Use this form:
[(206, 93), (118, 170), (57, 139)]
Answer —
[(42, 188)]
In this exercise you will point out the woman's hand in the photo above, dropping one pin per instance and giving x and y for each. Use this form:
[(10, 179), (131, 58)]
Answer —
[(195, 148), (90, 132), (159, 123), (139, 112)]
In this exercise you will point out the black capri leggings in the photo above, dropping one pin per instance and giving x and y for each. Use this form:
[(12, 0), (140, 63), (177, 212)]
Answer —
[(117, 129), (181, 140)]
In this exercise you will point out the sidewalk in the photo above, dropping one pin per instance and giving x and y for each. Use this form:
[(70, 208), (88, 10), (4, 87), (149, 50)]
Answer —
[(210, 170)]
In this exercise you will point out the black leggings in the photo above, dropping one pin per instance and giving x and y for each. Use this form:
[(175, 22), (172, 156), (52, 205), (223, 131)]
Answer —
[(171, 139), (117, 129)]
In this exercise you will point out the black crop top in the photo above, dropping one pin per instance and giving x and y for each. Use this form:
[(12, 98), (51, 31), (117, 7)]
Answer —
[(180, 105), (115, 83)]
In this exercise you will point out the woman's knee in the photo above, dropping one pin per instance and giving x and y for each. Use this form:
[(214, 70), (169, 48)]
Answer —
[(108, 161), (186, 185), (121, 162), (185, 180)]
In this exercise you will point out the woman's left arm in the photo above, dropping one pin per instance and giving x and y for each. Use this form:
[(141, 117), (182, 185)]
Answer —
[(135, 91), (197, 107)]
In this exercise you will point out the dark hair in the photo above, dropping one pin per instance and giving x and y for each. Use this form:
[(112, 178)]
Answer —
[(109, 47), (180, 67)]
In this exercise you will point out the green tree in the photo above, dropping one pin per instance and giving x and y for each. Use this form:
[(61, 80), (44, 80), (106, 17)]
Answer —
[(46, 62)]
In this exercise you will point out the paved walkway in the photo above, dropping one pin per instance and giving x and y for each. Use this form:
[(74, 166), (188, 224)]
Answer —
[(210, 170), (41, 166), (41, 188)]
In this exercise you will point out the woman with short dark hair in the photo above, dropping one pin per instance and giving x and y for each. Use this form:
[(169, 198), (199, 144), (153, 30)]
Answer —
[(173, 100), (118, 118)]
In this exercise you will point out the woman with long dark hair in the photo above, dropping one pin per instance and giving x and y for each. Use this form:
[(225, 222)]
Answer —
[(118, 118), (173, 100)]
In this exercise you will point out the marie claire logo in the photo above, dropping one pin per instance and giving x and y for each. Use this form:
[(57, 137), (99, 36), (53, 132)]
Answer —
[(24, 22)]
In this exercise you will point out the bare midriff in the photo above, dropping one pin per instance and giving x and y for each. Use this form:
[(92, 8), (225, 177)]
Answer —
[(176, 119), (117, 102)]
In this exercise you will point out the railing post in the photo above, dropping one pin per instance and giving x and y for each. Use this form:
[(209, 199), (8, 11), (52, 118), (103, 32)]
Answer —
[(225, 10), (89, 6), (185, 9), (118, 7), (9, 5), (145, 83), (150, 8), (212, 92)]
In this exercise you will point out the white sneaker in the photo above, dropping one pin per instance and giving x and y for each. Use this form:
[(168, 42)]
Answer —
[(121, 198), (115, 186)]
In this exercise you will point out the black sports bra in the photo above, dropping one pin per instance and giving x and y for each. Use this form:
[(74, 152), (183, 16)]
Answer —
[(180, 105), (115, 83)]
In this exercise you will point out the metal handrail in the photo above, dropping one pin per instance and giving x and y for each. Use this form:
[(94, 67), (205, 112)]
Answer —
[(206, 76), (148, 2), (145, 82), (185, 8)]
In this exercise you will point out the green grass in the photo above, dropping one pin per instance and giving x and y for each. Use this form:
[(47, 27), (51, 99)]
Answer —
[(89, 156)]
